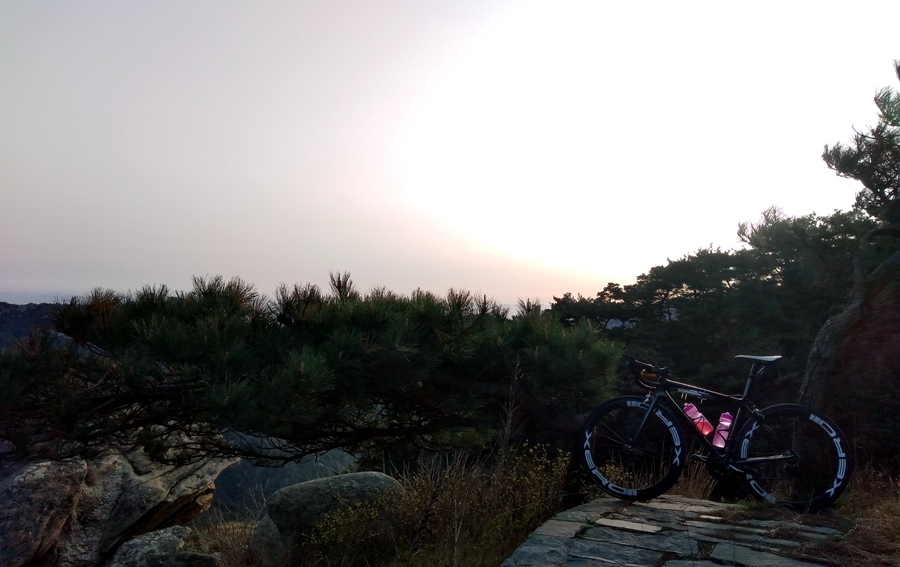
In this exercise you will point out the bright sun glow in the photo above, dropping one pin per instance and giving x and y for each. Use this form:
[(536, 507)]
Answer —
[(557, 135), (504, 146)]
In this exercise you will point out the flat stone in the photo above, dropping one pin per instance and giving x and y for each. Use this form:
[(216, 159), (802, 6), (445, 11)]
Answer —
[(590, 511), (672, 542), (540, 550), (700, 501), (766, 540), (668, 532), (720, 526), (601, 505), (625, 525), (560, 528), (663, 518), (588, 562), (752, 558), (577, 516), (819, 530), (680, 507), (612, 553)]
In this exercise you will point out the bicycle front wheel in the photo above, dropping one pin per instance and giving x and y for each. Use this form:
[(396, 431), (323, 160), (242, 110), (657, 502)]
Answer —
[(629, 453), (794, 457)]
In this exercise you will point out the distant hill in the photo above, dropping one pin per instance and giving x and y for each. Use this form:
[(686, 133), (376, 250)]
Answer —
[(17, 320)]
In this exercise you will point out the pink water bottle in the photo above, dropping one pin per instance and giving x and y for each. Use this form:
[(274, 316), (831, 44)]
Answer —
[(701, 422), (722, 430)]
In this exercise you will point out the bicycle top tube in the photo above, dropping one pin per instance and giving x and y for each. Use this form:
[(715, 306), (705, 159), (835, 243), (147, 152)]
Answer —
[(656, 379)]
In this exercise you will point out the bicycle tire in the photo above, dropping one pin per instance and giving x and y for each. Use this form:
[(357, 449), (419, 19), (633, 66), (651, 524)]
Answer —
[(640, 470), (818, 469)]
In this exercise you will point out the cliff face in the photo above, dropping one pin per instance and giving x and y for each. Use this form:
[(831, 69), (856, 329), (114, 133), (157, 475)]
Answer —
[(17, 320)]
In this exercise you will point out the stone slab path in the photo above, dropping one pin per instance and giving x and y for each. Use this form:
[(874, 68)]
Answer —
[(670, 531)]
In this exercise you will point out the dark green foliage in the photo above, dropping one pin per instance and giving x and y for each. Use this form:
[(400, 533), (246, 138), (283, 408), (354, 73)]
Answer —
[(170, 372), (823, 291), (694, 314), (873, 159)]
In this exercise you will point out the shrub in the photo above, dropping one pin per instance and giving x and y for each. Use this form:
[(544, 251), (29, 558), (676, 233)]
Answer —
[(446, 512)]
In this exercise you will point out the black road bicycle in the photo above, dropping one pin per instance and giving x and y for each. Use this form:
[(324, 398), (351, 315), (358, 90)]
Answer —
[(635, 448)]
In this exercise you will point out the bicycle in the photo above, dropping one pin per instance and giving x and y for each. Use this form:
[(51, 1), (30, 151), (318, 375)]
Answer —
[(634, 448)]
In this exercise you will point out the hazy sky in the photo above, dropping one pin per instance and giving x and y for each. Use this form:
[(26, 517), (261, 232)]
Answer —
[(520, 149)]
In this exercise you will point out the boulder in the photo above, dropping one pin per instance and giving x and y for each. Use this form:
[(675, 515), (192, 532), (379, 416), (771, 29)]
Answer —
[(244, 487), (75, 513), (37, 504), (162, 548), (133, 553), (126, 495), (267, 543), (294, 510)]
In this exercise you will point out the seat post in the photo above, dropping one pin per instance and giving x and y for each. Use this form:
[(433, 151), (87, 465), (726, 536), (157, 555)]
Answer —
[(750, 380)]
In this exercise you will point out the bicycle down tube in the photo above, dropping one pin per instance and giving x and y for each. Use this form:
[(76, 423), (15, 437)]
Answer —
[(662, 390)]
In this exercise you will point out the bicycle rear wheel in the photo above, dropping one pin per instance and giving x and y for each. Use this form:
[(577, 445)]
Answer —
[(628, 460), (811, 467)]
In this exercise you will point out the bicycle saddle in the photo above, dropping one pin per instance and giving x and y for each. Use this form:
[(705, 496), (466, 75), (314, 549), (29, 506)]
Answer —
[(759, 359)]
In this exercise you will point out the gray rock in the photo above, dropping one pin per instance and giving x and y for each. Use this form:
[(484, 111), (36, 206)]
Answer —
[(134, 552), (244, 487), (298, 507), (73, 513), (611, 553), (37, 502), (294, 510), (267, 543), (668, 531), (162, 548), (540, 550), (127, 495), (183, 559), (729, 552)]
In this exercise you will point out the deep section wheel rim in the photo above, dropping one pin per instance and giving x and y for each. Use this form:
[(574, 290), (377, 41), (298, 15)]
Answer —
[(813, 467), (628, 466)]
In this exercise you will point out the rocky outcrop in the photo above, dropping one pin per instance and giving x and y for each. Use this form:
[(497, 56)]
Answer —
[(293, 511), (37, 504), (75, 513), (853, 371)]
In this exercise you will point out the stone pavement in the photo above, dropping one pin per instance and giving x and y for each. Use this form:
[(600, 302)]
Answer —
[(670, 531)]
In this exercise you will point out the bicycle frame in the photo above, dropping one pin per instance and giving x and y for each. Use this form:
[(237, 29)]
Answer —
[(660, 393)]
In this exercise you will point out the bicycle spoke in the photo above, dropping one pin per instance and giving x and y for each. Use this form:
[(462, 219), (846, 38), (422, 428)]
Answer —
[(629, 462)]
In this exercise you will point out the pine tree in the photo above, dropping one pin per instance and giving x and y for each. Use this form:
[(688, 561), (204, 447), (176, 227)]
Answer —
[(295, 375)]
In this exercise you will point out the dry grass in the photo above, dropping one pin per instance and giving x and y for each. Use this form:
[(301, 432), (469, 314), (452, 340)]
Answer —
[(229, 533), (695, 482), (868, 513), (230, 539), (872, 508), (450, 513), (446, 514)]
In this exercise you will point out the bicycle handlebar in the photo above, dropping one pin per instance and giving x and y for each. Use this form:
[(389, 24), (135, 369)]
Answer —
[(644, 371)]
